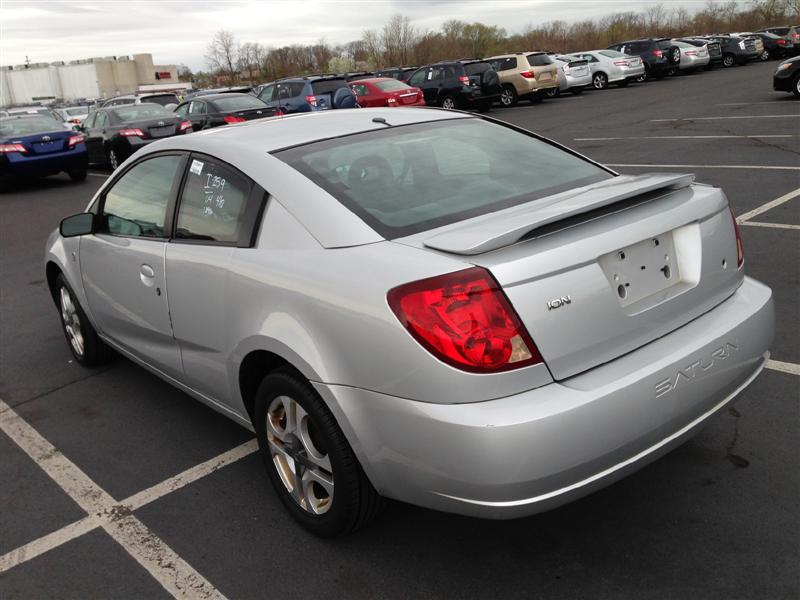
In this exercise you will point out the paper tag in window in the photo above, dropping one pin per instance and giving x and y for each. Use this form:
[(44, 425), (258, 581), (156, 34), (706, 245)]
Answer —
[(197, 167)]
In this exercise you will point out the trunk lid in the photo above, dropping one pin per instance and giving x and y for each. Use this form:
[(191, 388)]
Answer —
[(598, 272), (46, 143)]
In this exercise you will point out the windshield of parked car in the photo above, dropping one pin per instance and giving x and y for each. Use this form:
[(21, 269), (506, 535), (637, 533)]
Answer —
[(138, 112), (391, 86), (244, 102), (73, 112), (539, 60), (28, 125), (402, 180), (162, 99)]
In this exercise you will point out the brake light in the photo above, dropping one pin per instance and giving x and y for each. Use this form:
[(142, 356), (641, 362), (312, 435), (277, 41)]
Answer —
[(464, 79), (278, 113), (230, 119), (312, 100), (134, 131), (7, 148), (185, 125), (465, 320), (691, 53), (739, 245), (658, 53), (528, 75), (780, 42), (74, 140), (622, 63), (391, 101)]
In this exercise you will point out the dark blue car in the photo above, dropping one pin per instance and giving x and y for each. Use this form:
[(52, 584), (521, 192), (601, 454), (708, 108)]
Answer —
[(37, 146), (308, 94)]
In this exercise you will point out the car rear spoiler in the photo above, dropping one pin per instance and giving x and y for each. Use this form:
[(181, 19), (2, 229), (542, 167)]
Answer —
[(509, 226)]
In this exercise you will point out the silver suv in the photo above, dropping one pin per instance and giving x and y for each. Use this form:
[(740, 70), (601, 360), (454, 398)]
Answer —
[(524, 75)]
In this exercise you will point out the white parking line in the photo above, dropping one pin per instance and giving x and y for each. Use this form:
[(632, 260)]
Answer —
[(784, 367), (724, 118), (687, 137), (766, 167), (770, 225), (164, 565), (773, 102), (769, 205)]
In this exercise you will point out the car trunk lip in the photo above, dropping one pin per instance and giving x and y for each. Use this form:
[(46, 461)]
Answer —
[(490, 232)]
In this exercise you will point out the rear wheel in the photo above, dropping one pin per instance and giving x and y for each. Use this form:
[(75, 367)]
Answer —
[(509, 97), (77, 175), (448, 102), (310, 464), (552, 92), (765, 55), (643, 77), (113, 159), (84, 343), (600, 81), (728, 61)]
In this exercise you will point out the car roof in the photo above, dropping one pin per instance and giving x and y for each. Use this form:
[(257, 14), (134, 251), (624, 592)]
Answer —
[(212, 97), (374, 80)]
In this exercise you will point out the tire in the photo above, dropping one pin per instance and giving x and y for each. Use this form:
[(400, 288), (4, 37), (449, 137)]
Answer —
[(77, 175), (508, 96), (113, 158), (448, 102), (84, 343), (765, 56), (484, 106), (552, 92), (796, 87), (671, 72), (675, 55), (600, 81), (728, 60), (644, 76), (348, 501)]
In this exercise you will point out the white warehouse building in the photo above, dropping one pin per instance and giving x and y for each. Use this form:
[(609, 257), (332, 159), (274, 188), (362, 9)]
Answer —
[(90, 78)]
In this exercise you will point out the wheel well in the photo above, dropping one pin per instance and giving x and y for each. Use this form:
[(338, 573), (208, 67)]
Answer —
[(52, 272), (252, 371)]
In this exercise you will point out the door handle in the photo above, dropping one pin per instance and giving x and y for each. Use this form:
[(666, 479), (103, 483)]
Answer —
[(147, 271)]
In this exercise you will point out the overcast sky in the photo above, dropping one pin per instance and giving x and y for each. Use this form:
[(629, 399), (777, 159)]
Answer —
[(178, 31)]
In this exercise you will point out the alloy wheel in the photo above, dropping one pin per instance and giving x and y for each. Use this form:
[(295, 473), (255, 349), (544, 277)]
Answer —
[(507, 97), (552, 92), (72, 322), (728, 60), (599, 81), (113, 160), (299, 456), (765, 55), (448, 103)]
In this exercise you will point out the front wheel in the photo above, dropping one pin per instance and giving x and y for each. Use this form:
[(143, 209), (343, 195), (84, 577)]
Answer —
[(765, 55), (309, 461), (84, 343), (509, 97), (448, 103), (600, 81), (728, 61)]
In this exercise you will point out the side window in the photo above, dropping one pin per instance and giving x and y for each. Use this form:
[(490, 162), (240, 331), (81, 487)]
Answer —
[(284, 91), (102, 119), (182, 110), (268, 93), (418, 77), (359, 89), (136, 205), (213, 204), (88, 123), (197, 108)]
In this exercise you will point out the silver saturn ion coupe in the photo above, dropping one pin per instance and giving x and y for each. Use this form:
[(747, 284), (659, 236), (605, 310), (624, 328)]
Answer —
[(417, 304)]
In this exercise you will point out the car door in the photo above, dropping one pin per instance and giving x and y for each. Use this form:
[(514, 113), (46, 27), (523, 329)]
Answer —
[(269, 96), (90, 140), (216, 219), (422, 79), (122, 265), (197, 115)]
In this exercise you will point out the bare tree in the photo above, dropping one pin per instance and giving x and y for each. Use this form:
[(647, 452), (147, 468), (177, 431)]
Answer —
[(222, 55)]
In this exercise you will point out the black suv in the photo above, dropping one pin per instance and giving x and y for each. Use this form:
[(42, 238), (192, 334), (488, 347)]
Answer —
[(458, 84), (399, 73), (659, 55), (735, 50)]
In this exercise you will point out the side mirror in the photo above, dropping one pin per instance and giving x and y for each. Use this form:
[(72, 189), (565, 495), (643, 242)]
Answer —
[(80, 224)]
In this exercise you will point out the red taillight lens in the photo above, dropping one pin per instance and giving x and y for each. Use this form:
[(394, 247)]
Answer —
[(691, 53), (75, 121), (528, 75), (312, 100), (465, 320), (391, 102), (739, 245), (658, 53), (131, 132), (74, 140), (621, 63), (278, 113), (232, 119), (780, 42), (6, 148), (185, 125), (464, 79)]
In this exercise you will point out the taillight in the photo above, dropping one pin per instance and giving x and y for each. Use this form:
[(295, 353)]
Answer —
[(233, 119), (622, 63), (391, 102), (691, 53), (7, 148), (133, 131), (312, 100), (74, 140), (464, 79), (658, 53), (780, 42), (75, 121), (739, 245), (278, 113), (185, 125), (465, 320), (528, 75)]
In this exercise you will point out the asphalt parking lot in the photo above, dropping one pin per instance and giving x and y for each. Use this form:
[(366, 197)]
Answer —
[(178, 504)]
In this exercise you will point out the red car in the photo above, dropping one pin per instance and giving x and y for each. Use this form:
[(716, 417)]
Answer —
[(385, 91)]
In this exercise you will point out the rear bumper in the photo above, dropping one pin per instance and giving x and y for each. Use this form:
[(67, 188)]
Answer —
[(694, 62), (539, 449), (626, 73), (46, 164), (582, 81)]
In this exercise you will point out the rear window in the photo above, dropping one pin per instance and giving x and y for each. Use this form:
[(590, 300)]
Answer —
[(239, 103), (162, 99), (539, 60), (327, 86), (611, 53), (638, 47), (477, 68), (391, 86), (141, 111), (28, 125), (72, 112), (403, 180)]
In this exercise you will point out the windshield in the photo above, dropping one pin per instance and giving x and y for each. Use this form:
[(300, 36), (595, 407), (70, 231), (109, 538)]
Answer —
[(141, 111), (391, 86), (239, 103), (162, 99), (28, 125), (403, 180)]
